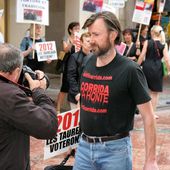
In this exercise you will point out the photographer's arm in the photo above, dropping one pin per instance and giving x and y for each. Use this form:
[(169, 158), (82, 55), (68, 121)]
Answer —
[(37, 117)]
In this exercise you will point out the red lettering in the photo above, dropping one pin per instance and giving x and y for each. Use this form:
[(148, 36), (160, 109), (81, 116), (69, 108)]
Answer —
[(44, 47), (67, 121), (59, 117), (76, 120), (49, 46), (41, 49)]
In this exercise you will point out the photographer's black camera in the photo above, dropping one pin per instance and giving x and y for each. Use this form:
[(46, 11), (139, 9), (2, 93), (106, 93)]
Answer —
[(22, 80)]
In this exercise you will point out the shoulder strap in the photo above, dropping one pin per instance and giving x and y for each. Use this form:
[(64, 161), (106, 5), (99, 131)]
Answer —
[(157, 49), (129, 49)]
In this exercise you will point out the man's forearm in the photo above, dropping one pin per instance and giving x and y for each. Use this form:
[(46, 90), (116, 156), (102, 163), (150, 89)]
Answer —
[(150, 138)]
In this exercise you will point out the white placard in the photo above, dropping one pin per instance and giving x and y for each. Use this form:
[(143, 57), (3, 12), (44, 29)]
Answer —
[(161, 5), (109, 8), (67, 134), (143, 11), (117, 3), (46, 50), (33, 11)]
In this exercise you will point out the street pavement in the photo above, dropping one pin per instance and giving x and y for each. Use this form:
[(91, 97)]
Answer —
[(137, 135)]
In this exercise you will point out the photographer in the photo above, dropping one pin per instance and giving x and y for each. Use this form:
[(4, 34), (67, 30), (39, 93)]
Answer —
[(21, 117)]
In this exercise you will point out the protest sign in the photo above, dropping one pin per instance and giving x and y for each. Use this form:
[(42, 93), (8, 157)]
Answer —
[(77, 43), (143, 11), (116, 3), (109, 8), (67, 134), (46, 50), (161, 5), (33, 11)]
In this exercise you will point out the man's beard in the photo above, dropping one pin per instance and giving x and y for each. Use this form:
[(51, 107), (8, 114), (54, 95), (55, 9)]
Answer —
[(102, 51)]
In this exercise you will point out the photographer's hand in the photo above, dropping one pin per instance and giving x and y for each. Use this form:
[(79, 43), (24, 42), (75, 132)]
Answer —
[(39, 83), (41, 78)]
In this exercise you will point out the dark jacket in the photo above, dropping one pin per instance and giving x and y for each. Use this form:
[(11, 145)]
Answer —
[(19, 119), (76, 64)]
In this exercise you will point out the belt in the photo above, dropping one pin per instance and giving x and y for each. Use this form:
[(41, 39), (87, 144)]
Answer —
[(91, 139)]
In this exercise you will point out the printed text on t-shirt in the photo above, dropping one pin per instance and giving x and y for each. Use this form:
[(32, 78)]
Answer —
[(95, 92)]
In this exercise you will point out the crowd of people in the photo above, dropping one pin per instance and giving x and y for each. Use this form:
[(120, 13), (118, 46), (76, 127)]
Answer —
[(106, 86)]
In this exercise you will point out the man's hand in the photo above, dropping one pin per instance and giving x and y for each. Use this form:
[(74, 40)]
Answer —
[(48, 61), (39, 83), (77, 97)]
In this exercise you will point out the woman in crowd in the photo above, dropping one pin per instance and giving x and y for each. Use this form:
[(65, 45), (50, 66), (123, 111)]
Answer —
[(28, 47), (76, 64), (130, 50), (153, 51), (142, 38), (69, 44)]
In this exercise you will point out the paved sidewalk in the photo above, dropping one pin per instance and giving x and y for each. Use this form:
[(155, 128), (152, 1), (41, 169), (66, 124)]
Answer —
[(163, 135)]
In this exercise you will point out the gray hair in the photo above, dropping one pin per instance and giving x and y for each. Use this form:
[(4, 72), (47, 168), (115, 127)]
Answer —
[(110, 20), (10, 58)]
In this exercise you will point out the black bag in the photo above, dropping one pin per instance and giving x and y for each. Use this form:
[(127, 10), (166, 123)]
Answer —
[(62, 60), (59, 68), (62, 165)]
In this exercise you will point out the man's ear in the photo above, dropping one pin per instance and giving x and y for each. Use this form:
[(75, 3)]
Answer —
[(113, 36), (15, 74)]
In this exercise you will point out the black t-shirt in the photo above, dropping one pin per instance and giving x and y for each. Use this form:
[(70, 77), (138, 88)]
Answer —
[(109, 96)]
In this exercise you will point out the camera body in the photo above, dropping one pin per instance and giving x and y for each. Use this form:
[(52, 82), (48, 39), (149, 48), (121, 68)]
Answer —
[(22, 80)]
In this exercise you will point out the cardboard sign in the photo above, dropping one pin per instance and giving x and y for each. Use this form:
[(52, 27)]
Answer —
[(46, 50), (161, 5), (143, 11), (31, 11), (109, 8), (117, 3), (77, 43), (67, 134)]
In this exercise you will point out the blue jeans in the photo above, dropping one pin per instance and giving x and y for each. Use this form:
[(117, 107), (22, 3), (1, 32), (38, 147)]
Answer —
[(110, 155)]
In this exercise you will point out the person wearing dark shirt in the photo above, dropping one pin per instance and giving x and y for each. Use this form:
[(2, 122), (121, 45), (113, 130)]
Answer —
[(69, 47), (142, 38), (154, 50), (130, 50), (76, 63), (20, 115), (111, 87)]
